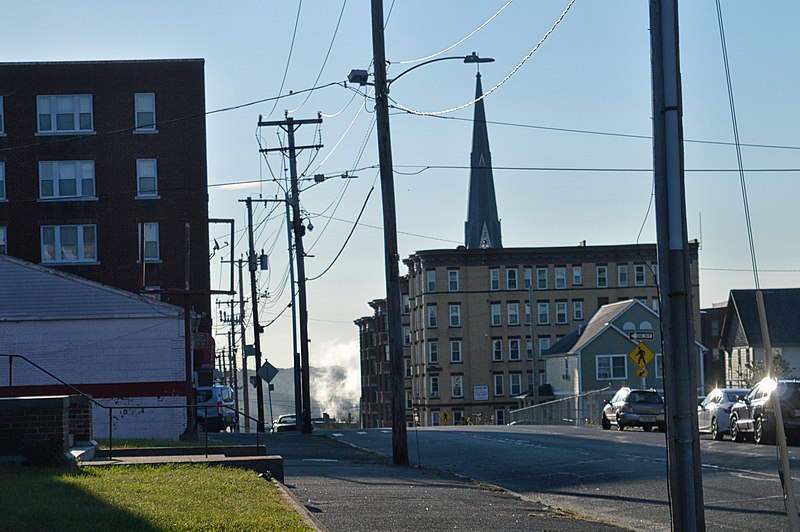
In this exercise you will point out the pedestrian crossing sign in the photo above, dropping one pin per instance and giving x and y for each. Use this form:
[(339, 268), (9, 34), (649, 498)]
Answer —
[(641, 355), (641, 372)]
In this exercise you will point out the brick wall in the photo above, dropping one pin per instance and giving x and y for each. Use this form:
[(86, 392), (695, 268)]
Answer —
[(35, 427), (80, 419)]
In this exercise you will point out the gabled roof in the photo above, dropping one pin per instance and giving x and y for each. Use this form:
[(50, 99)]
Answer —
[(782, 306), (32, 292)]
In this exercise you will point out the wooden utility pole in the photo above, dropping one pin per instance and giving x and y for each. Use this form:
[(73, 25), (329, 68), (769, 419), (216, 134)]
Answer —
[(253, 264), (391, 257), (245, 376)]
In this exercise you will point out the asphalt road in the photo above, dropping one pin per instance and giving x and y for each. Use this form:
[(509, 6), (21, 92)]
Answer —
[(619, 477)]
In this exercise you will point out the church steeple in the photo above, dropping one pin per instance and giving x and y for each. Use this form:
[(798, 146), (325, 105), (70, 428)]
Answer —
[(482, 228)]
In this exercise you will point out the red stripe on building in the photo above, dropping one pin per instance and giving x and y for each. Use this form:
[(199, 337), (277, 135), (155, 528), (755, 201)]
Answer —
[(102, 391)]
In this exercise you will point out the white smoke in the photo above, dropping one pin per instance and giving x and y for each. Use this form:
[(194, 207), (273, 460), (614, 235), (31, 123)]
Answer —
[(336, 379)]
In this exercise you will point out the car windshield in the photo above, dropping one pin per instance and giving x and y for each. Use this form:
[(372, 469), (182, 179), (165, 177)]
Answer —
[(644, 397), (735, 395), (286, 419)]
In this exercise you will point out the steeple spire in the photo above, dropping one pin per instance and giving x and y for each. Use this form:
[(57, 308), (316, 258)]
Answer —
[(482, 228)]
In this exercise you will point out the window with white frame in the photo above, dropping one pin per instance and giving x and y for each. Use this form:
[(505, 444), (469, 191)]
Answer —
[(529, 375), (409, 400), (497, 349), (658, 365), (528, 348), (430, 277), (406, 304), (577, 310), (541, 278), (656, 308), (543, 312), (561, 312), (577, 275), (65, 113), (2, 118), (561, 278), (527, 275), (69, 243), (3, 196), (514, 384), (499, 389), (602, 277), (452, 280), (455, 351), (407, 364), (511, 278), (494, 279), (406, 335), (435, 421), (455, 315), (66, 179), (386, 353), (622, 275), (457, 386), (146, 178), (513, 314), (458, 417), (433, 351), (434, 381), (527, 313), (513, 349), (544, 344), (640, 278), (145, 109), (611, 367), (496, 311), (654, 268), (433, 317), (3, 240), (152, 251)]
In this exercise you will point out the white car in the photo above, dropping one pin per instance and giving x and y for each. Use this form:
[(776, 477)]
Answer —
[(713, 414)]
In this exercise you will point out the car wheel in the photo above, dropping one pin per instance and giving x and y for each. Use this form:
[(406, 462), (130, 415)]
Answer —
[(605, 423), (736, 434), (715, 433), (760, 433), (647, 428), (620, 426)]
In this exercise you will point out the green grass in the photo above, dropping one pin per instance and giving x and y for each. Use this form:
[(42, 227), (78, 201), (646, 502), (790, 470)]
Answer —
[(126, 443), (143, 498)]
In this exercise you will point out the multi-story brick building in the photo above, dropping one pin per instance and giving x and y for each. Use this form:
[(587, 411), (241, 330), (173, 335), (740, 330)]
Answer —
[(103, 173)]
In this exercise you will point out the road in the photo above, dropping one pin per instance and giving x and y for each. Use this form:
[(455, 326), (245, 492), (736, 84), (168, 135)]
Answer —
[(619, 477)]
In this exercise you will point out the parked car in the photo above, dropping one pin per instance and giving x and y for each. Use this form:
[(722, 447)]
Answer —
[(634, 408), (285, 423), (755, 413), (713, 414), (216, 409)]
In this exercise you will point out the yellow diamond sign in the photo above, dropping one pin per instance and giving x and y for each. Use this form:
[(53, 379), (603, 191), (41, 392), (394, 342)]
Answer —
[(445, 416), (641, 355)]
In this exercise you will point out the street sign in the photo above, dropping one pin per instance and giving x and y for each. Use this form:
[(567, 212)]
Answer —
[(641, 355), (445, 416), (641, 372), (267, 372), (480, 393), (641, 335), (249, 350)]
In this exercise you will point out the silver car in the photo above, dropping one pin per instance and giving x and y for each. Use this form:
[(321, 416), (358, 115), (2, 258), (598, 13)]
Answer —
[(713, 414)]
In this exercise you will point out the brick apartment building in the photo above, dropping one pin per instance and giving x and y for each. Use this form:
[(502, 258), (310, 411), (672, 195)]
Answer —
[(103, 164)]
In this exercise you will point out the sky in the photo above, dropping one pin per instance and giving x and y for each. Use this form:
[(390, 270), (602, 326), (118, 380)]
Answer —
[(569, 131)]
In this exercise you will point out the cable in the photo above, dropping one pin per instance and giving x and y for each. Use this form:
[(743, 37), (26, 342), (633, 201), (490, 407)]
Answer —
[(289, 59)]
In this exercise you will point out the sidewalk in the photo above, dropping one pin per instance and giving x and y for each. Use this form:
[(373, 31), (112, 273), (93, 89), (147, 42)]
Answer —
[(348, 489)]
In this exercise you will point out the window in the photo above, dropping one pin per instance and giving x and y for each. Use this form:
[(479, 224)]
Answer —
[(577, 275), (494, 279), (452, 280), (513, 313), (513, 349), (639, 275), (497, 319), (654, 267), (622, 275), (2, 116), (498, 385), (497, 350), (527, 313), (541, 278), (658, 365), (66, 179), (514, 384), (543, 310), (406, 335), (3, 196), (611, 367), (433, 352), (434, 386), (561, 312), (432, 316), (146, 178), (407, 363), (455, 315), (561, 278), (544, 344), (145, 103), (457, 386), (430, 276), (69, 243), (406, 304), (602, 277), (499, 417), (458, 417), (455, 351), (656, 308), (68, 113), (577, 310), (528, 348), (511, 278), (151, 248), (527, 275), (3, 240)]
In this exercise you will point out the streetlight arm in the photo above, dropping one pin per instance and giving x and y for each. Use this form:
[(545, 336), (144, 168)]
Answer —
[(473, 58)]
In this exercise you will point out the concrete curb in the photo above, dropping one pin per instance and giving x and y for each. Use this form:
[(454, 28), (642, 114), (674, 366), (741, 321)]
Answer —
[(299, 507)]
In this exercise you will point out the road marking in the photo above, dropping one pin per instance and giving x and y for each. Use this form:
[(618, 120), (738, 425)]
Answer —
[(319, 460), (361, 433), (338, 434)]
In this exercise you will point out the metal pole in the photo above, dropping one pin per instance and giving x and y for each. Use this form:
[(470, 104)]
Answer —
[(233, 365), (534, 357), (298, 387), (391, 258), (245, 376), (685, 481), (256, 327)]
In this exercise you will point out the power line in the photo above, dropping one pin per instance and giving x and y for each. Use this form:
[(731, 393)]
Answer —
[(289, 58)]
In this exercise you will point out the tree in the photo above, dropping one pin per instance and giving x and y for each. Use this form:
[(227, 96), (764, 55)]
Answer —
[(781, 369)]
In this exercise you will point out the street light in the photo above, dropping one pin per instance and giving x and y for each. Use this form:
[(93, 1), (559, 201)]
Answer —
[(361, 77)]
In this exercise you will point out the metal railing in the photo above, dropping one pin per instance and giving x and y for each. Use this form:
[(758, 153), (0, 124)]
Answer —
[(580, 410), (126, 407)]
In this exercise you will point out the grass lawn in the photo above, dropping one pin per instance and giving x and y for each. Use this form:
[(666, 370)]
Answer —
[(125, 443), (143, 498)]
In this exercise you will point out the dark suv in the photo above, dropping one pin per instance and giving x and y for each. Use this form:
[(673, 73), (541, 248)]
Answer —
[(634, 408), (756, 413)]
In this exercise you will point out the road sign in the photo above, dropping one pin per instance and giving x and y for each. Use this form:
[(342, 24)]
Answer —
[(641, 355), (249, 350), (641, 372), (445, 416), (640, 335), (267, 372)]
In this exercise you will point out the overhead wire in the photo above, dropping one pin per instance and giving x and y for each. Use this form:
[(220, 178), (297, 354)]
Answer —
[(289, 58)]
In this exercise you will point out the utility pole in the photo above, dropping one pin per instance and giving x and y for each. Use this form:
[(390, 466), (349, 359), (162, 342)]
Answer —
[(298, 385), (245, 376), (685, 482), (391, 258), (234, 369), (252, 262), (290, 125)]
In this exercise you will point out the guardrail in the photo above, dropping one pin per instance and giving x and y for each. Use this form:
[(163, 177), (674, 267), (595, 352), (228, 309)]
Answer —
[(579, 410), (112, 408)]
